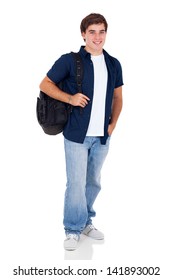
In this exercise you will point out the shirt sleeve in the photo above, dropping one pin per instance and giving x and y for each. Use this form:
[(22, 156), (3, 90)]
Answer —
[(119, 75), (60, 69)]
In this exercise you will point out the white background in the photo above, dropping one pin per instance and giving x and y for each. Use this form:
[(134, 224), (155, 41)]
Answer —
[(134, 208)]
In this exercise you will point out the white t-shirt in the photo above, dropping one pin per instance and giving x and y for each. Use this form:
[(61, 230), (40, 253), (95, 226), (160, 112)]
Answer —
[(97, 118)]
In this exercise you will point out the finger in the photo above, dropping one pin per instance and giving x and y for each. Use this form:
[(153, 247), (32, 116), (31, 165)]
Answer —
[(83, 104), (83, 101), (84, 96)]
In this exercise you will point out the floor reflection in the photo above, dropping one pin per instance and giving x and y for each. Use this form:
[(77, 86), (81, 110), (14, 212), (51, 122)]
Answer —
[(84, 250)]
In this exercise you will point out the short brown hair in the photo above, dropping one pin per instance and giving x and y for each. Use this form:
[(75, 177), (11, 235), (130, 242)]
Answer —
[(92, 19)]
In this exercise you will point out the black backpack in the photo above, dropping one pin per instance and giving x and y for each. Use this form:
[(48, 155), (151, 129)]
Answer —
[(52, 114)]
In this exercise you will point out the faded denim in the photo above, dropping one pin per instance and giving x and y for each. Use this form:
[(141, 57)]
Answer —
[(83, 168)]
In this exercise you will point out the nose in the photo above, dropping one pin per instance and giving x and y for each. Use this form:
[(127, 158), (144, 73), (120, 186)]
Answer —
[(97, 35)]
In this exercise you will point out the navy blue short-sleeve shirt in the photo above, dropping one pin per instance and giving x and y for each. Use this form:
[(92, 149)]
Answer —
[(64, 70)]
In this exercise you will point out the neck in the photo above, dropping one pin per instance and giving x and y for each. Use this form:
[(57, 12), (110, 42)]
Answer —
[(93, 52)]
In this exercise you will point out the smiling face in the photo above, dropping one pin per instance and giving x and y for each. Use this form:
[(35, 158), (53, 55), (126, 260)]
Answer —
[(94, 36)]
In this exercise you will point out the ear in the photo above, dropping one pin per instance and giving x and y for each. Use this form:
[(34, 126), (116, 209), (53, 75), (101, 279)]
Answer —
[(83, 35)]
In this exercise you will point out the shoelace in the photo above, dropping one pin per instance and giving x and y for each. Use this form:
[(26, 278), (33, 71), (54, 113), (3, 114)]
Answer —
[(91, 227), (72, 236)]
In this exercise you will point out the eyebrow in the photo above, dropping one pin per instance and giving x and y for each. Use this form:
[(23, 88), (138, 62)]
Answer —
[(91, 30)]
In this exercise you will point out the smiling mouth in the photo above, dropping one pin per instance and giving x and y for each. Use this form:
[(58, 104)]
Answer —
[(97, 43)]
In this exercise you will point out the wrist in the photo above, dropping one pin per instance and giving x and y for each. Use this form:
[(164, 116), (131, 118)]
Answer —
[(69, 99), (113, 124)]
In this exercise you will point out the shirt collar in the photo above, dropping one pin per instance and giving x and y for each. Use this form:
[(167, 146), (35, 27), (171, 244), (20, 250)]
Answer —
[(85, 53)]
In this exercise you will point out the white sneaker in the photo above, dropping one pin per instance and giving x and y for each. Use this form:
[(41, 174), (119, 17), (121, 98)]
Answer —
[(71, 241), (92, 232)]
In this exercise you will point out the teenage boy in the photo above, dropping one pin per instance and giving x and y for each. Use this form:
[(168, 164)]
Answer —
[(90, 124)]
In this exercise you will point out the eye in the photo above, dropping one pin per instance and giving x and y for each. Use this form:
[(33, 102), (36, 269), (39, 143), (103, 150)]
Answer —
[(102, 32)]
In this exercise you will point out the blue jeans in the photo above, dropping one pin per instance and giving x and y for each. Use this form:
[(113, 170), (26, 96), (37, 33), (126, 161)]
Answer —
[(83, 167)]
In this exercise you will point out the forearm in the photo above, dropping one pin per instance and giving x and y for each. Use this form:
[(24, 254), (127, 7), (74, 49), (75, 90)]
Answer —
[(53, 91), (116, 109), (48, 87)]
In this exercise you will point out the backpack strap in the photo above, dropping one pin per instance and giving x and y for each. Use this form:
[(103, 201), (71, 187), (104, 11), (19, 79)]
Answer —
[(79, 70)]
